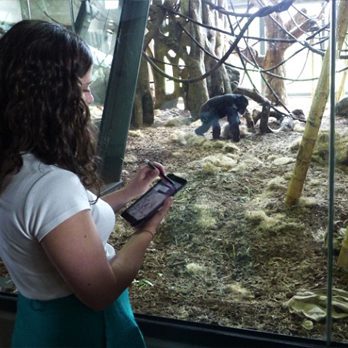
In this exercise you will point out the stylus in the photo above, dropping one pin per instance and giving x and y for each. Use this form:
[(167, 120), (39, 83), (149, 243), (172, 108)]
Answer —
[(162, 175)]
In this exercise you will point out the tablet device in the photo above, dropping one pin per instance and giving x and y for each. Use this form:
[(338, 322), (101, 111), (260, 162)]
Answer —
[(148, 204)]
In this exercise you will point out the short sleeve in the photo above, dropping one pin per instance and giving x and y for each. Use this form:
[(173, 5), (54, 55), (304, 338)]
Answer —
[(55, 197)]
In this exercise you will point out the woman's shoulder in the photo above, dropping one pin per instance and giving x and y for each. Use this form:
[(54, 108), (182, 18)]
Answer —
[(38, 176), (33, 167)]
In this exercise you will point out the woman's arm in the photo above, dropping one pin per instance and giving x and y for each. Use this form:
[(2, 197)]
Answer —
[(76, 251), (137, 186)]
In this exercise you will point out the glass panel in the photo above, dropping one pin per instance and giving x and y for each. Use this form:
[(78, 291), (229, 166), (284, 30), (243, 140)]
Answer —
[(47, 10), (10, 12), (96, 21), (99, 29), (231, 253)]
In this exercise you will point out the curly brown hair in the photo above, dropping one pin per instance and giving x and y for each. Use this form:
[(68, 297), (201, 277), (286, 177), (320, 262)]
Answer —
[(41, 106)]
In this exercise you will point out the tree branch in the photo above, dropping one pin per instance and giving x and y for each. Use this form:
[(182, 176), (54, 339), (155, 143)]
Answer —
[(285, 4)]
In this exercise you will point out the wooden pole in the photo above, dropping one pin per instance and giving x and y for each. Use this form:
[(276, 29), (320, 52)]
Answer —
[(316, 112)]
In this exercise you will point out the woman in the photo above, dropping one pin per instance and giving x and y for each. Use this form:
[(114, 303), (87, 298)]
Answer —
[(54, 230)]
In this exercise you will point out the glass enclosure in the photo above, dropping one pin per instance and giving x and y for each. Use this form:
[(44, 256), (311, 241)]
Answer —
[(231, 253)]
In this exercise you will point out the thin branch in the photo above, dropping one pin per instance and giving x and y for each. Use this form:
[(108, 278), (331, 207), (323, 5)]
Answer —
[(224, 31), (265, 11), (280, 26), (258, 67), (227, 13)]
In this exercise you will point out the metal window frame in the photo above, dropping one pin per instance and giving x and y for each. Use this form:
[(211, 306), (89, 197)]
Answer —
[(120, 93)]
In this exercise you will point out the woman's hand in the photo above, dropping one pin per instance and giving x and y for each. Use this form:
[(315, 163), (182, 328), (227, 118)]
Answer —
[(140, 183), (142, 180), (152, 225)]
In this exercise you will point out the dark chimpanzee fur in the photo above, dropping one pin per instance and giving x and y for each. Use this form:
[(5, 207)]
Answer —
[(230, 105)]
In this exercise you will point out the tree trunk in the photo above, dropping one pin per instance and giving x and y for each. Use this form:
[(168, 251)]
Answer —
[(146, 96), (276, 50), (143, 112), (154, 34), (342, 84), (148, 111), (159, 51), (197, 93), (176, 73), (274, 55), (137, 115), (315, 114), (264, 115), (218, 82)]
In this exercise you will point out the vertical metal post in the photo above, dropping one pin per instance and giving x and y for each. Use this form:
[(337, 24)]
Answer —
[(80, 26), (25, 9), (121, 88), (71, 5), (331, 207)]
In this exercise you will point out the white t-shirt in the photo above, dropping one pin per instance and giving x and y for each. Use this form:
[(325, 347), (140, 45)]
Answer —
[(38, 199)]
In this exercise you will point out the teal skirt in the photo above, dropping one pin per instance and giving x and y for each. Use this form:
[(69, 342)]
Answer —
[(66, 322)]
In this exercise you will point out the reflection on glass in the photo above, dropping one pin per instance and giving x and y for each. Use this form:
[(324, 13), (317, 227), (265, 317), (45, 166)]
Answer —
[(96, 21), (235, 255), (10, 12), (98, 26)]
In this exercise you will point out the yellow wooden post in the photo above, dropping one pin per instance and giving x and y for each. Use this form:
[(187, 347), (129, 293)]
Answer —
[(316, 112), (342, 84)]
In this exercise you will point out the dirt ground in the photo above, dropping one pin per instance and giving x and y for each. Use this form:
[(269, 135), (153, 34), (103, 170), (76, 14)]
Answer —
[(231, 253)]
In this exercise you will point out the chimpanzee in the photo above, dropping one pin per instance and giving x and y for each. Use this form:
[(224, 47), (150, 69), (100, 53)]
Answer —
[(230, 105)]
